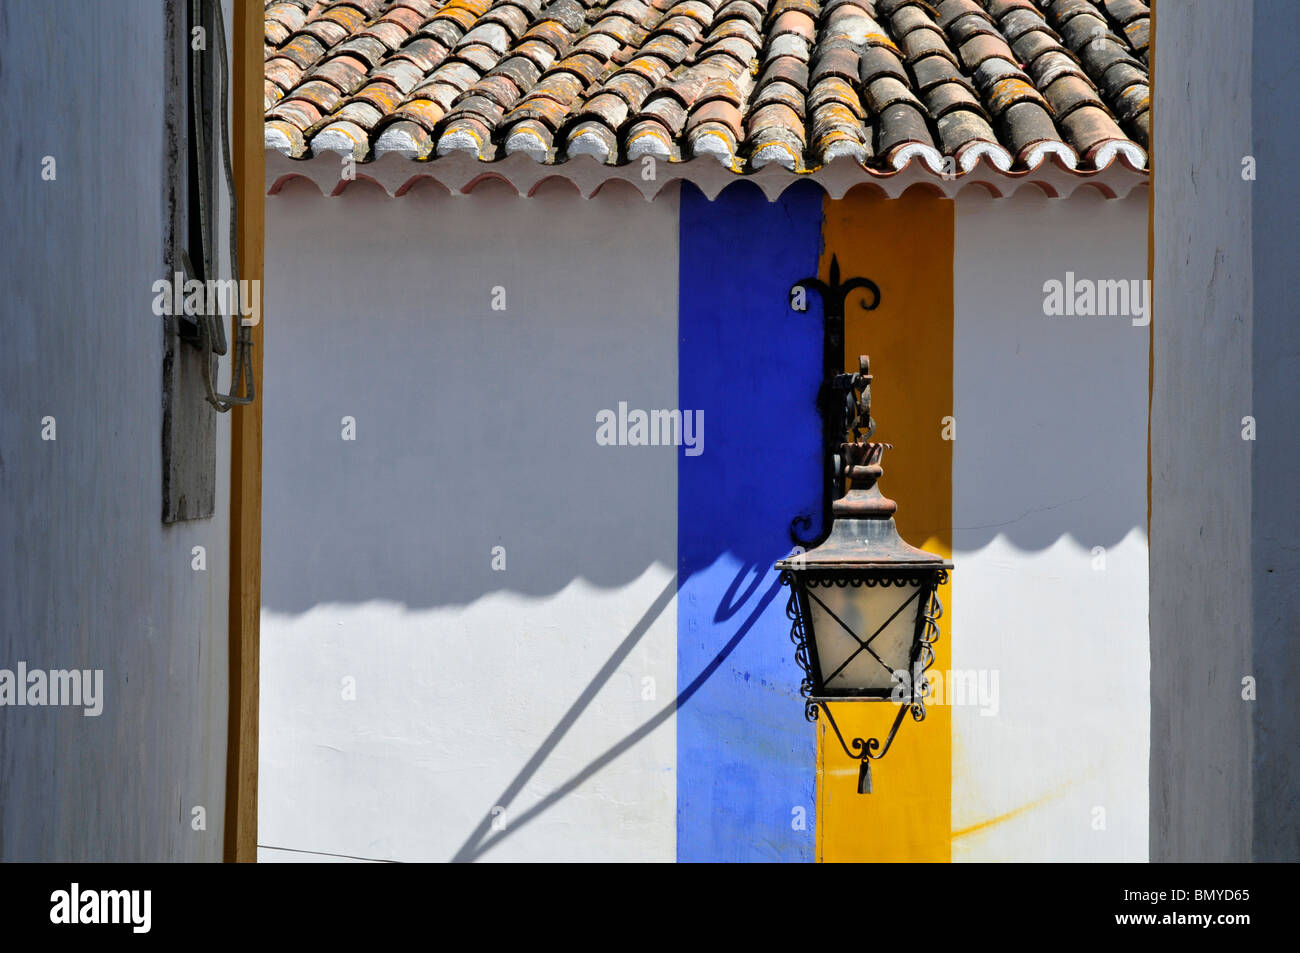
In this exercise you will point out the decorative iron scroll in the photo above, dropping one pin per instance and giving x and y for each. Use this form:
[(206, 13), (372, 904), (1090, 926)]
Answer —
[(871, 582), (799, 639), (837, 399)]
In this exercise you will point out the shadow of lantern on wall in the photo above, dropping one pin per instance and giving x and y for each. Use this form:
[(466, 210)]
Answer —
[(863, 604)]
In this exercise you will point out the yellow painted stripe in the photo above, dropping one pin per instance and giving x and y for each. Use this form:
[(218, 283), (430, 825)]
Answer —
[(906, 247)]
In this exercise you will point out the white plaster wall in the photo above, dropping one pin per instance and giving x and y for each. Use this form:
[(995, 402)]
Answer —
[(474, 689), (89, 575), (1275, 459), (1050, 462), (1203, 636)]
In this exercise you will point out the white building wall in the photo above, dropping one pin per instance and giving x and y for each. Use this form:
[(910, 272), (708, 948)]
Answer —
[(378, 551), (90, 577), (1049, 510), (497, 714), (1210, 237)]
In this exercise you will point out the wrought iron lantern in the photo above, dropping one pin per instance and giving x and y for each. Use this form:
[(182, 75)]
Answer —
[(863, 603)]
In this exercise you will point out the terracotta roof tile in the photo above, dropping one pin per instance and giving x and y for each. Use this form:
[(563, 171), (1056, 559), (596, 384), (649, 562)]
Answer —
[(798, 83)]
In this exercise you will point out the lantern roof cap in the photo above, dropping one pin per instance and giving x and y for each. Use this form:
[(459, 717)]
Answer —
[(863, 533)]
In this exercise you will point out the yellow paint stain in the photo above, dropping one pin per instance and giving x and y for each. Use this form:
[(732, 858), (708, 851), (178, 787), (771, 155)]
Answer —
[(905, 246), (999, 819), (991, 822)]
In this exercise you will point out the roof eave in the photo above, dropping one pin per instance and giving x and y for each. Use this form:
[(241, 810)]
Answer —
[(459, 173)]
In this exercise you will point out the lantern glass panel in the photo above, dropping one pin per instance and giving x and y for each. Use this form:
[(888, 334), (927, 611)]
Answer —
[(863, 609)]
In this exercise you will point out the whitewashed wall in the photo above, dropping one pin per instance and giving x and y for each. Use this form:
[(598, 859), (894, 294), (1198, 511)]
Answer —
[(1050, 464), (91, 578), (475, 689), (1208, 750)]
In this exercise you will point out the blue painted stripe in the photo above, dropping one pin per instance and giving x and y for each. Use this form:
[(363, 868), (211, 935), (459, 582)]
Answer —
[(746, 759)]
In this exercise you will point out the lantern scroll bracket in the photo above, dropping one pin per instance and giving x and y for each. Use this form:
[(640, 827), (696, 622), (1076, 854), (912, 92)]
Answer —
[(833, 401)]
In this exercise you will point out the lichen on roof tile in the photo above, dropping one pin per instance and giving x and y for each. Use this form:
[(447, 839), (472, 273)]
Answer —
[(798, 83)]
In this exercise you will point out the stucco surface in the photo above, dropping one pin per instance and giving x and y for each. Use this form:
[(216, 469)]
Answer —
[(525, 690), (1202, 643), (746, 757), (1049, 537), (91, 578), (545, 689), (1275, 510)]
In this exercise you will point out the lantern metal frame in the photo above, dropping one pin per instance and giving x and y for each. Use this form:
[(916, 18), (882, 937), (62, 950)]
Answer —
[(921, 659)]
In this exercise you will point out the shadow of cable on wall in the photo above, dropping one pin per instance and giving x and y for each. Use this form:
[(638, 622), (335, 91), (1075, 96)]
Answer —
[(479, 842)]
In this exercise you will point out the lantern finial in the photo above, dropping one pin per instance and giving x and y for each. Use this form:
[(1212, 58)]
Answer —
[(860, 458)]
